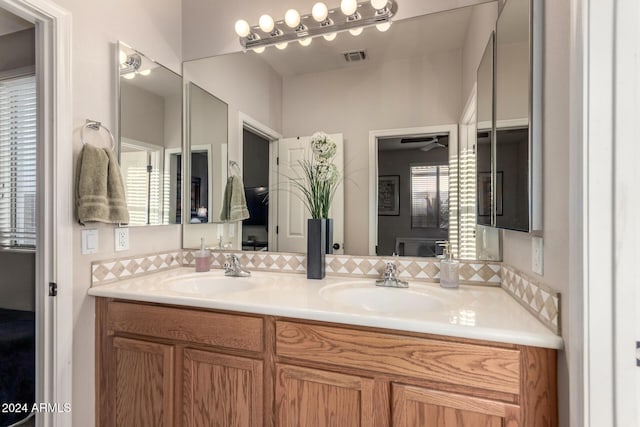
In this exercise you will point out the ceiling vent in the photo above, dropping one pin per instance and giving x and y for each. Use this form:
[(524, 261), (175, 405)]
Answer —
[(355, 56)]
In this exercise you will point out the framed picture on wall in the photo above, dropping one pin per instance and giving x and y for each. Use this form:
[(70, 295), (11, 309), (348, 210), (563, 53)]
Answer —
[(389, 195)]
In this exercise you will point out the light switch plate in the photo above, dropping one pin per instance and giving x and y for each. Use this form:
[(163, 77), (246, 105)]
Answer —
[(121, 238), (90, 241), (537, 255)]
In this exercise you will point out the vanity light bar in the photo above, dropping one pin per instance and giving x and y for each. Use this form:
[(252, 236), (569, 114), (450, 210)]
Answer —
[(365, 16)]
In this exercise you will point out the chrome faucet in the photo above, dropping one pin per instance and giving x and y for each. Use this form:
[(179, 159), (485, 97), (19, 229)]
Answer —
[(233, 268), (390, 277)]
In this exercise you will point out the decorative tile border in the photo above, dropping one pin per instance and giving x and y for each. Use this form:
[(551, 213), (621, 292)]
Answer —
[(478, 273), (427, 269), (113, 270), (261, 261), (539, 299)]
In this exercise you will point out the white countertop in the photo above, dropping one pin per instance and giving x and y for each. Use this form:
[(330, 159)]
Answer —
[(476, 312)]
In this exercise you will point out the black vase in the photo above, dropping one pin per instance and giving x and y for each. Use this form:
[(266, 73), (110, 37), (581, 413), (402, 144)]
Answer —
[(316, 248), (329, 239)]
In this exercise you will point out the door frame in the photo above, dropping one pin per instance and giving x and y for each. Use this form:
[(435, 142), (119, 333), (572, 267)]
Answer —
[(452, 129), (247, 122), (54, 253)]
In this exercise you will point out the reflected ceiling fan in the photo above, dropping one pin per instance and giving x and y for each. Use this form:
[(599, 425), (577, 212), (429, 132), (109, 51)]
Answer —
[(430, 142)]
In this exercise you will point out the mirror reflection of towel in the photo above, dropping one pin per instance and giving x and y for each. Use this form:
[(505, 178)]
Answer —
[(234, 204), (100, 195)]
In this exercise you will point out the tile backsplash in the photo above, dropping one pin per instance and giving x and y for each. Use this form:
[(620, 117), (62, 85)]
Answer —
[(113, 270), (536, 297), (485, 273)]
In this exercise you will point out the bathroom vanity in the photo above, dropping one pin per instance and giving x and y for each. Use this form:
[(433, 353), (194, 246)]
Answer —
[(279, 351)]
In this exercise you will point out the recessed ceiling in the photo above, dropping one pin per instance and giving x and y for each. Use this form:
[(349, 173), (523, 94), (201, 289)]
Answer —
[(10, 23), (420, 36)]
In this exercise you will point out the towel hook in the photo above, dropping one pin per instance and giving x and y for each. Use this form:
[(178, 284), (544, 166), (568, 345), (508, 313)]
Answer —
[(96, 125)]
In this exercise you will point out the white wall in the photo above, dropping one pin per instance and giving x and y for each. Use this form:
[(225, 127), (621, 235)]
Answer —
[(17, 49), (355, 100), (143, 114), (18, 280), (256, 90), (517, 246), (153, 27), (208, 25)]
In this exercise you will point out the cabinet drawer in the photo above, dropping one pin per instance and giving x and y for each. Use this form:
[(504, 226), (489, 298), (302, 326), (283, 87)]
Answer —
[(479, 366), (202, 327)]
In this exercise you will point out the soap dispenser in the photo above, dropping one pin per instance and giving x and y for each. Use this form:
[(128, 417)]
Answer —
[(449, 267), (203, 258)]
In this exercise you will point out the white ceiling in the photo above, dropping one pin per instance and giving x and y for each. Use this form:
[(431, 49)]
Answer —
[(408, 38), (10, 23)]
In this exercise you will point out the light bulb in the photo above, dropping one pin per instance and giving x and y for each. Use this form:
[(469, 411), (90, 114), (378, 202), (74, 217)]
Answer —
[(384, 26), (305, 42), (259, 49), (266, 23), (349, 7), (356, 31), (122, 57), (242, 28), (319, 11), (378, 4), (292, 18), (144, 72), (282, 46), (129, 76), (329, 37)]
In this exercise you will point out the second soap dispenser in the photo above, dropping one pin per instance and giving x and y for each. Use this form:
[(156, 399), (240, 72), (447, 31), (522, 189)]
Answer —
[(449, 268)]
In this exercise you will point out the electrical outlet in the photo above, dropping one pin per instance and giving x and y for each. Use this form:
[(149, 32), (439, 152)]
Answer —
[(121, 238), (537, 255), (89, 241)]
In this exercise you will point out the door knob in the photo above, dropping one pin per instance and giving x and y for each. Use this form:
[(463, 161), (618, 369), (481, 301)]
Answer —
[(336, 246)]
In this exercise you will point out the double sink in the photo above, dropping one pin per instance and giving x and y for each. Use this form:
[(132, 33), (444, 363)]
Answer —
[(357, 294)]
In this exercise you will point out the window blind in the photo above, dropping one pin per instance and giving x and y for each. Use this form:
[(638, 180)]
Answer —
[(18, 110), (430, 196)]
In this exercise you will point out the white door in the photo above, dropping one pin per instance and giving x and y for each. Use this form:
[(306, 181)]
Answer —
[(292, 214)]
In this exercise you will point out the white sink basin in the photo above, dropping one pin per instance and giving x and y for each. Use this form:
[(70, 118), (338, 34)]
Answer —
[(207, 284), (365, 295)]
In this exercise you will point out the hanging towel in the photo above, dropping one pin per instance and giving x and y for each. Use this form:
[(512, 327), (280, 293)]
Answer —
[(234, 204), (100, 195)]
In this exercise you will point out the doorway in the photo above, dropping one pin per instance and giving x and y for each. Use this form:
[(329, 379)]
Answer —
[(256, 167), (411, 222), (18, 216)]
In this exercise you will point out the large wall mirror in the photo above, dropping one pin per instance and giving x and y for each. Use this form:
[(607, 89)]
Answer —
[(518, 163), (392, 102), (150, 138)]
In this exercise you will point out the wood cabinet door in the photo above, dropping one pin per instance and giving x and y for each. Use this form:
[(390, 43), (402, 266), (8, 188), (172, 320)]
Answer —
[(221, 390), (314, 398), (143, 383), (421, 407)]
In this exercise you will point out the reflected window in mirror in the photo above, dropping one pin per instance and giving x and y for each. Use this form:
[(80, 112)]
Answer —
[(150, 137)]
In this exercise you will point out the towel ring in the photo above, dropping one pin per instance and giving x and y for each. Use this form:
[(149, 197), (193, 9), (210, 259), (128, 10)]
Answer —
[(234, 168), (95, 125)]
